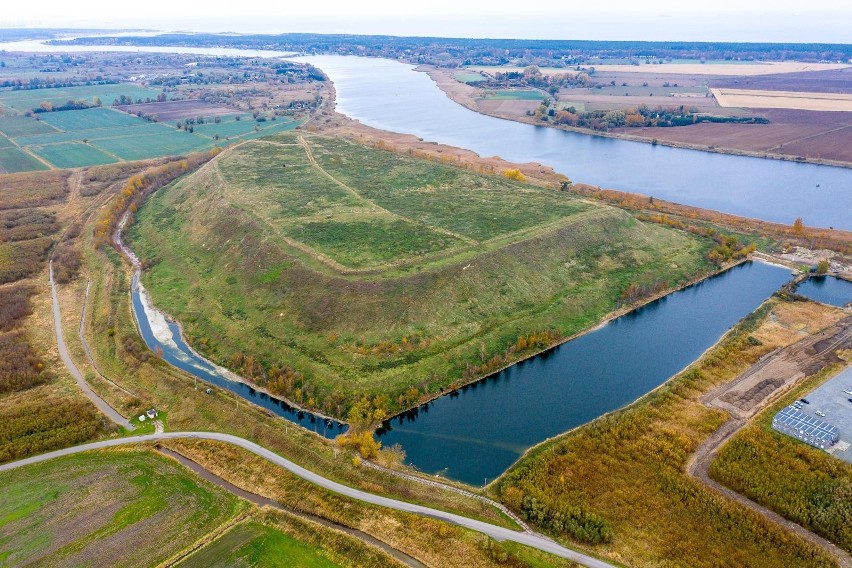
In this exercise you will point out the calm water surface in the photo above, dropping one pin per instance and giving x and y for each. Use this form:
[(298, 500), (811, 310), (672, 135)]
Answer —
[(478, 432), (389, 95), (827, 289)]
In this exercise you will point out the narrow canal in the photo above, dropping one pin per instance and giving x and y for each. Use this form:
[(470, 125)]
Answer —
[(476, 433)]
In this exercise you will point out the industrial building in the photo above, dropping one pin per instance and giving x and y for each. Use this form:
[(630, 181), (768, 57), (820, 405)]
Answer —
[(811, 430)]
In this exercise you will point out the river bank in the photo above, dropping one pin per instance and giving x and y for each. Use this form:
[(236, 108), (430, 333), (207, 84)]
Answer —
[(467, 96), (168, 333)]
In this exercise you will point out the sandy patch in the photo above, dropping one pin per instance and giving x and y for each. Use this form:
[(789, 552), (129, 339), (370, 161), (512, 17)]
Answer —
[(740, 70), (783, 99)]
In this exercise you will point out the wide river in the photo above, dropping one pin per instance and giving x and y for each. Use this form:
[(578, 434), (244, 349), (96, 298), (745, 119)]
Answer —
[(392, 96), (476, 433)]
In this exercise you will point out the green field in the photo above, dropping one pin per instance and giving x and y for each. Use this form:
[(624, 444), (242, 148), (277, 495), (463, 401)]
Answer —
[(374, 272), (254, 544), (514, 95), (229, 126), (15, 126), (102, 135), (123, 508), (25, 100), (167, 143), (464, 77), (640, 91), (87, 119), (14, 160), (72, 154), (136, 128)]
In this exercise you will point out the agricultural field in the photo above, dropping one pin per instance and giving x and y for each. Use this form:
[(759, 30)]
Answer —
[(254, 544), (127, 508), (28, 99), (179, 110), (514, 95), (15, 160), (101, 135), (87, 119), (783, 99), (16, 126), (794, 133), (363, 271), (468, 77), (72, 154), (166, 143), (726, 68)]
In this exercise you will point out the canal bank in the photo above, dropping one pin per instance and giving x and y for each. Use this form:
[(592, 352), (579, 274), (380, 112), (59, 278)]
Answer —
[(474, 434)]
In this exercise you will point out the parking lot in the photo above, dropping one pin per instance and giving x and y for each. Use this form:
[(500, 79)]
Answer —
[(831, 399)]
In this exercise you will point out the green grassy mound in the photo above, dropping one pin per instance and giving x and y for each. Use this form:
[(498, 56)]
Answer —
[(324, 270)]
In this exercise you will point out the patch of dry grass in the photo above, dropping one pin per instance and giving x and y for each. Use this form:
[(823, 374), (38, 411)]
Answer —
[(636, 486)]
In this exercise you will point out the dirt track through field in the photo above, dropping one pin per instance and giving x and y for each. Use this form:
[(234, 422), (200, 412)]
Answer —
[(102, 405), (266, 502), (790, 364)]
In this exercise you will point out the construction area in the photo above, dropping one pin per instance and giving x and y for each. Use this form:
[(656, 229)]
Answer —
[(782, 369)]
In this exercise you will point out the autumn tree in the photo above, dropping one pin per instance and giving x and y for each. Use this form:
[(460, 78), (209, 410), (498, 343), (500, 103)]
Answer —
[(799, 226), (514, 174)]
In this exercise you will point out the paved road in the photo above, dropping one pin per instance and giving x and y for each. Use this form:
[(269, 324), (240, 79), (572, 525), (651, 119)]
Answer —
[(499, 533), (72, 368)]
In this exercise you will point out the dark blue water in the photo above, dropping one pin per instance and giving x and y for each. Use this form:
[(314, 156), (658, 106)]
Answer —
[(478, 432), (827, 289), (390, 95), (183, 358)]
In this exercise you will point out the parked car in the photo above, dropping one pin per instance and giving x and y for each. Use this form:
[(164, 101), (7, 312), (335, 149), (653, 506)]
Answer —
[(820, 413), (804, 400)]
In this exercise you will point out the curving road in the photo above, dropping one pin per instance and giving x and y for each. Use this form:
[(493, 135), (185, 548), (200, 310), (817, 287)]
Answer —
[(499, 533), (102, 405)]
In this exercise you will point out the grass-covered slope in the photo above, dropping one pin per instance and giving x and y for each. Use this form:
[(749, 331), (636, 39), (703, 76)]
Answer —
[(324, 269)]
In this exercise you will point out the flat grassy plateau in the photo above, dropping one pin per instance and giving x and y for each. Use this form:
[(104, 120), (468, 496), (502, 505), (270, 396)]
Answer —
[(324, 270)]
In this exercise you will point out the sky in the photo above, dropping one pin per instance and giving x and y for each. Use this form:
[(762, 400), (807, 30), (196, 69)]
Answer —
[(827, 21)]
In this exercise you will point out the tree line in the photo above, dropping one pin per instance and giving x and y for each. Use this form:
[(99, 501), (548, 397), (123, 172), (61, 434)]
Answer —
[(138, 187)]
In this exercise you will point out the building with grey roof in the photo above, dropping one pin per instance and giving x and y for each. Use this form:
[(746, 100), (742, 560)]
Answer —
[(818, 433)]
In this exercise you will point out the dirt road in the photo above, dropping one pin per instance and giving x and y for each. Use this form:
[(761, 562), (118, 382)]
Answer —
[(498, 533), (102, 405), (752, 391), (266, 502)]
